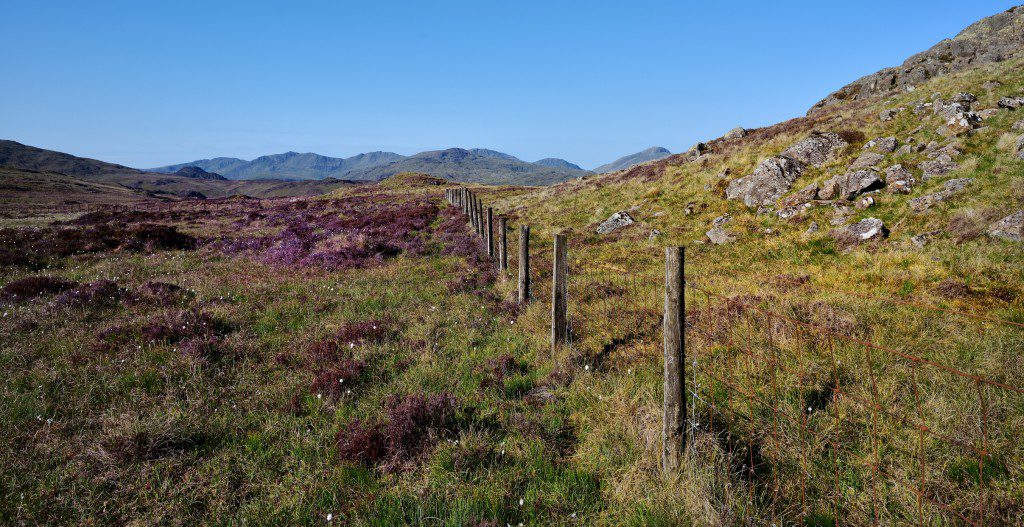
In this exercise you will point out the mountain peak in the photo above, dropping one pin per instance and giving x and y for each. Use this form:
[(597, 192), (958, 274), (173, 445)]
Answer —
[(653, 153)]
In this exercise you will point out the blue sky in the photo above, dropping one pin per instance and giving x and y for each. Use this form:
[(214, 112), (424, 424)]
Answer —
[(154, 83)]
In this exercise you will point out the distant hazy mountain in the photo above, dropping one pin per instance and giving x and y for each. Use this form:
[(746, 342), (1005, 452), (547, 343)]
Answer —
[(651, 154), (472, 166), (24, 157), (557, 163), (290, 165), (198, 173)]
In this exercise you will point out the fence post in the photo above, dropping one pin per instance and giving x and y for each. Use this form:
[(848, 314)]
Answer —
[(524, 264), (472, 212), (673, 432), (502, 247), (559, 274), (490, 232)]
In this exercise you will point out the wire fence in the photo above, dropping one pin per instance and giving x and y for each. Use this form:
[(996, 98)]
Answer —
[(821, 407)]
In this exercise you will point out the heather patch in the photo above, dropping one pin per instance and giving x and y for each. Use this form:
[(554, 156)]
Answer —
[(26, 289), (412, 426), (35, 248), (100, 293)]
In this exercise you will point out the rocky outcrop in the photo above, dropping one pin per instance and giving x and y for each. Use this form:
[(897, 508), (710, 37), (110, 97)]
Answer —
[(735, 133), (615, 221), (1009, 228), (949, 189), (993, 39), (936, 168), (1011, 103), (867, 160), (816, 149), (769, 182)]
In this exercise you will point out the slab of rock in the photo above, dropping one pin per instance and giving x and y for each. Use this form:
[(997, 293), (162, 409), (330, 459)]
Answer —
[(991, 85), (1011, 103), (1009, 228), (862, 231), (865, 203), (899, 180), (949, 189), (816, 149), (813, 228), (615, 221), (1019, 125), (937, 168), (735, 133), (867, 160), (769, 182), (988, 113), (717, 234), (883, 145)]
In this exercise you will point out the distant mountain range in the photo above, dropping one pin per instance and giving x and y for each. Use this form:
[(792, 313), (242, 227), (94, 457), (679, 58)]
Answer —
[(474, 165), (651, 154)]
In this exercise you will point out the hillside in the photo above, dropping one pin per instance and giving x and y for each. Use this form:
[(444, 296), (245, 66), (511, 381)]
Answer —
[(651, 154), (472, 166), (18, 156), (557, 163), (290, 165), (852, 330)]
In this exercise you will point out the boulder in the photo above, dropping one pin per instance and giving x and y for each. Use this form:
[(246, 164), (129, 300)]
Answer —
[(899, 179), (1011, 103), (717, 234), (1009, 228), (988, 113), (720, 236), (1019, 125), (889, 114), (949, 189), (769, 182), (813, 228), (867, 160), (882, 145), (936, 168), (804, 195), (855, 183), (863, 230), (816, 149), (991, 85), (735, 133), (829, 188), (966, 99), (865, 203), (1020, 147), (615, 221)]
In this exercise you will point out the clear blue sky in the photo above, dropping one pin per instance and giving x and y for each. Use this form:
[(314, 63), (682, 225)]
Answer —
[(153, 83)]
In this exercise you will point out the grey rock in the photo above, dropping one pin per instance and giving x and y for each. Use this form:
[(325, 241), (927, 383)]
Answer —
[(988, 113), (655, 233), (813, 228), (867, 160), (949, 189), (937, 168), (615, 221), (857, 182), (1011, 103), (800, 197), (1019, 125), (991, 85), (1009, 228), (735, 133), (924, 238), (863, 230), (883, 145), (816, 149), (769, 182), (721, 220), (899, 180), (720, 236), (865, 203), (889, 114), (964, 98)]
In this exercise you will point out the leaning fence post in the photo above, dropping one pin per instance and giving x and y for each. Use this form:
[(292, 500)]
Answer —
[(502, 247), (490, 232), (673, 432), (524, 264), (559, 274)]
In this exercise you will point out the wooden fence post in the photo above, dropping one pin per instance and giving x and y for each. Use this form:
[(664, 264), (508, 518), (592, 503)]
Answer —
[(559, 276), (673, 432), (502, 247), (524, 264), (490, 232)]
